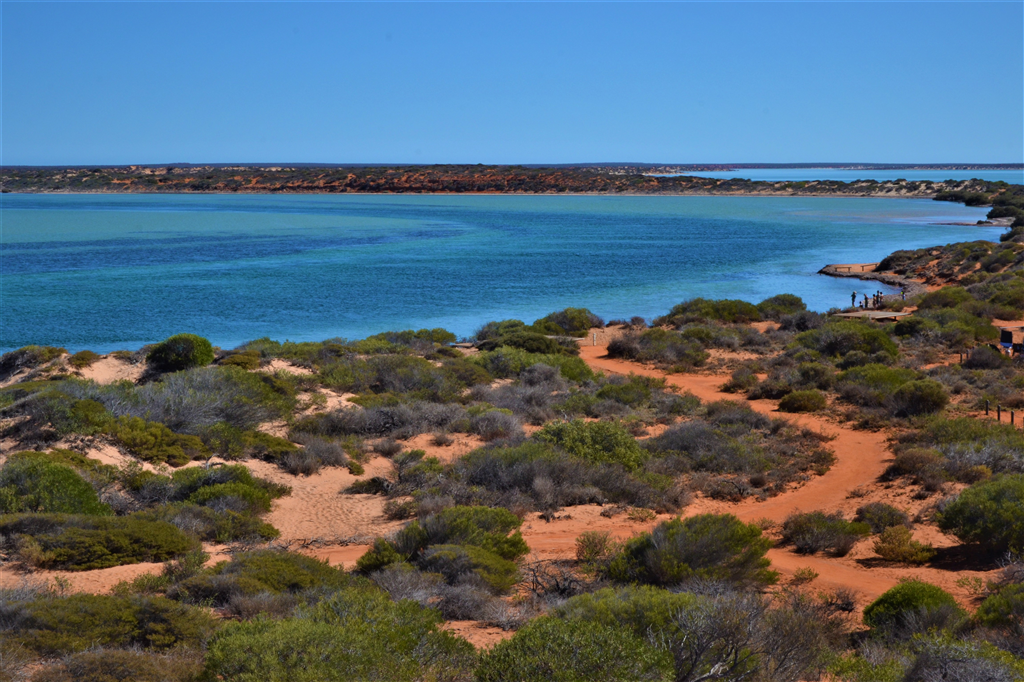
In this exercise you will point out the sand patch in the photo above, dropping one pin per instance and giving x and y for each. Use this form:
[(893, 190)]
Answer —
[(462, 444), (109, 369)]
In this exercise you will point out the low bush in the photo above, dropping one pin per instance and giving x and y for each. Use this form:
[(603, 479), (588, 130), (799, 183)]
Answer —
[(706, 546), (777, 307), (83, 359), (909, 599), (155, 443), (571, 321), (399, 421), (593, 546), (182, 351), (506, 363), (990, 513), (596, 442), (701, 309), (658, 346), (817, 532), (897, 544), (919, 397), (986, 357), (260, 571), (573, 651), (216, 523), (1004, 609), (356, 634), (52, 625), (33, 482), (803, 401), (529, 342), (246, 359), (80, 543), (879, 516), (839, 337), (459, 562), (119, 665), (28, 357)]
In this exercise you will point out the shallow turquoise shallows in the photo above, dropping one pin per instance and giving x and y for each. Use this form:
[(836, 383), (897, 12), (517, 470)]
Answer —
[(110, 271)]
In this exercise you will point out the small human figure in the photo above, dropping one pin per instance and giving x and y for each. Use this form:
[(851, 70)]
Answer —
[(903, 294), (853, 299), (865, 301)]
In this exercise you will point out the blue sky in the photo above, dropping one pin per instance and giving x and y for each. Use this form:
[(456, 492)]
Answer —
[(162, 82)]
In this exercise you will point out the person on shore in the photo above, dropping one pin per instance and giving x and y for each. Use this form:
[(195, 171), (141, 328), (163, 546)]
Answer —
[(903, 294), (865, 301), (853, 299)]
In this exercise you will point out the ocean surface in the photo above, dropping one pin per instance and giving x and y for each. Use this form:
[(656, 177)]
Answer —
[(1015, 177), (109, 272)]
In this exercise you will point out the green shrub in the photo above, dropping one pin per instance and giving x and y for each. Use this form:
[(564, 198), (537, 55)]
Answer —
[(530, 342), (776, 307), (155, 443), (454, 562), (880, 516), (212, 525), (27, 357), (118, 665), (356, 634), (717, 546), (60, 625), (897, 544), (817, 531), (593, 546), (255, 500), (1004, 609), (187, 482), (659, 346), (246, 359), (552, 650), (32, 482), (909, 598), (701, 309), (839, 337), (81, 543), (507, 362), (990, 513), (83, 359), (919, 397), (599, 442), (181, 351), (803, 401), (571, 321), (261, 571)]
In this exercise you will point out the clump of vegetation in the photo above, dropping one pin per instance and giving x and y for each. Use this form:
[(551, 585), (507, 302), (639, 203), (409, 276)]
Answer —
[(121, 665), (181, 351), (358, 631), (879, 516), (990, 513), (803, 401), (597, 442), (83, 359), (817, 531), (896, 543), (50, 625), (836, 338), (551, 649), (28, 357), (780, 306), (35, 482), (659, 346), (82, 543), (912, 599), (707, 546), (701, 310)]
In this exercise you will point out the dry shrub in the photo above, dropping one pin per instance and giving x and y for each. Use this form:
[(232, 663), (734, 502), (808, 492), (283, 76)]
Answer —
[(593, 545), (896, 544)]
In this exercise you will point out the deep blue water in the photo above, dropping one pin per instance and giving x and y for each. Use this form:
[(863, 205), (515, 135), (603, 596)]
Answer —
[(799, 174), (118, 271)]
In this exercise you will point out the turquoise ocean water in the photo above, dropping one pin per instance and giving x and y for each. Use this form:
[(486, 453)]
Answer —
[(117, 271)]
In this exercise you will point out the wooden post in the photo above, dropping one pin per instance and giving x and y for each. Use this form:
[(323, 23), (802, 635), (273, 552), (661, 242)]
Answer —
[(595, 339), (1012, 415), (986, 408), (999, 413)]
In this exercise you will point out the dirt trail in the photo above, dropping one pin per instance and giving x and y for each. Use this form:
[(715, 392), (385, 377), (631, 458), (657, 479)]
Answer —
[(861, 457)]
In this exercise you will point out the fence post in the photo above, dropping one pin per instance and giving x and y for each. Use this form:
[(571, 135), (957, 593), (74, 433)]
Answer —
[(986, 408), (999, 413), (595, 339)]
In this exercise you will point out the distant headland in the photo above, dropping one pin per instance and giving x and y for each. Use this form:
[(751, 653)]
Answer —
[(648, 179)]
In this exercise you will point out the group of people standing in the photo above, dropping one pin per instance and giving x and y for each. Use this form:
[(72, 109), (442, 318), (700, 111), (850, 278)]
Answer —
[(875, 301)]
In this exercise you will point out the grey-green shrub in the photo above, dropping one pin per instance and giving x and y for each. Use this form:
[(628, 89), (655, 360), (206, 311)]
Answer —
[(181, 351)]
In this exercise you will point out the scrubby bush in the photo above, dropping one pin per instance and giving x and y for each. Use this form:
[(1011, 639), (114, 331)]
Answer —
[(572, 321), (28, 357), (529, 342), (181, 351), (52, 625), (246, 359), (803, 401), (985, 357), (777, 307), (1004, 609), (839, 337), (80, 543), (83, 359), (879, 516), (32, 482), (714, 546), (119, 665), (593, 546), (356, 634), (456, 563), (897, 544), (659, 346), (990, 513), (399, 421), (598, 442), (155, 443), (872, 384), (573, 651), (701, 309), (919, 397), (817, 531), (909, 599), (260, 571), (506, 363)]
